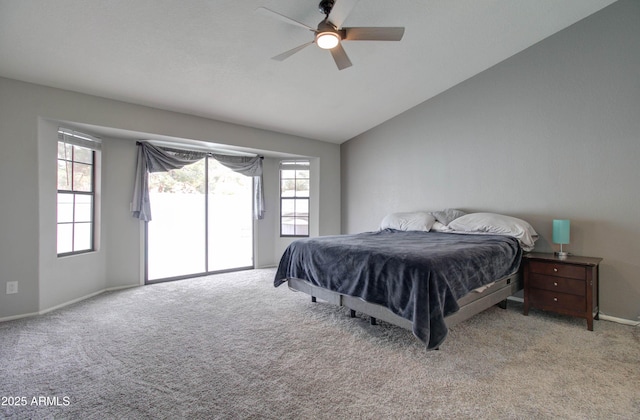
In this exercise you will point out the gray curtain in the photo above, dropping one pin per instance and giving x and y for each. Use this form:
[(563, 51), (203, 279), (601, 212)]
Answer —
[(162, 159), (249, 166)]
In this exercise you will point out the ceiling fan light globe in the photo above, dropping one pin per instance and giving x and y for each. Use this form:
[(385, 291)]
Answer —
[(327, 40)]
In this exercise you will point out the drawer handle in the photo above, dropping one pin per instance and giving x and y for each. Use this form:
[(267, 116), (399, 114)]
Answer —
[(555, 269), (555, 283), (555, 299)]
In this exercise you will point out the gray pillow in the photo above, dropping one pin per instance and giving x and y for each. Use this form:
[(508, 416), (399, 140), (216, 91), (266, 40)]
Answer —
[(447, 216)]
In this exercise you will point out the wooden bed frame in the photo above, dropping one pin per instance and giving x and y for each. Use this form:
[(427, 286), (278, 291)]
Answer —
[(471, 304)]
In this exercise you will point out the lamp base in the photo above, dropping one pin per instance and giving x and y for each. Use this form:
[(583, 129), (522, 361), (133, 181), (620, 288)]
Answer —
[(561, 254)]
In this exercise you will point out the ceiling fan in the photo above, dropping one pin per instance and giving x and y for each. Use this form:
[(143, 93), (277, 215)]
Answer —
[(329, 34)]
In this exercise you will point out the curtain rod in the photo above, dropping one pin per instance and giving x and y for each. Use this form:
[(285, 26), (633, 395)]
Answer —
[(78, 134), (138, 143)]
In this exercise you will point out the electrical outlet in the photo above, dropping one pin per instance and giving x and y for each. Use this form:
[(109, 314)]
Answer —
[(12, 287)]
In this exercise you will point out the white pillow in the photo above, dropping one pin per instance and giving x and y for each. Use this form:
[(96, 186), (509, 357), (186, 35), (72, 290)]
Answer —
[(418, 220), (439, 227), (497, 224)]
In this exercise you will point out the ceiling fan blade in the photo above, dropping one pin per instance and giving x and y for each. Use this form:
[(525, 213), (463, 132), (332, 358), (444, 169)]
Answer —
[(340, 57), (268, 12), (373, 34), (340, 11), (287, 54)]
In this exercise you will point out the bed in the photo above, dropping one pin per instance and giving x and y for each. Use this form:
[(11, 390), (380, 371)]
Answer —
[(422, 275)]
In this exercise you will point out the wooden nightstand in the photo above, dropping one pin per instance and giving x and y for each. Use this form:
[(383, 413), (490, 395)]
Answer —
[(566, 286)]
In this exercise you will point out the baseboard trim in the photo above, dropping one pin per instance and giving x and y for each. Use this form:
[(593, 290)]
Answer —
[(606, 317), (601, 316), (14, 317), (62, 305), (80, 299)]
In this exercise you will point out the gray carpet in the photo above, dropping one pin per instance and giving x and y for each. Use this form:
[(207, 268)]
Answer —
[(233, 346)]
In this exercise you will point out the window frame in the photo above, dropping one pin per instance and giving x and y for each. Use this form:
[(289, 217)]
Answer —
[(296, 165), (77, 140)]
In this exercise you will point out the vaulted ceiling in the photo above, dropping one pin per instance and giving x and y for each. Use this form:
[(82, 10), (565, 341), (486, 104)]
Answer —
[(212, 58)]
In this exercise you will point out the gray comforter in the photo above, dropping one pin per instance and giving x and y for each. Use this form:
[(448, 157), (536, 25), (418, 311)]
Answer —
[(417, 275)]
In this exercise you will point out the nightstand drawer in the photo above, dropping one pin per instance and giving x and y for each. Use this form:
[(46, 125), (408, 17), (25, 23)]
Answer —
[(557, 284), (546, 299), (557, 269)]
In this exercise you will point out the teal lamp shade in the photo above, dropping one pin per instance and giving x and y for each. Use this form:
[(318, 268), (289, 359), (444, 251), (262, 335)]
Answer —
[(561, 234)]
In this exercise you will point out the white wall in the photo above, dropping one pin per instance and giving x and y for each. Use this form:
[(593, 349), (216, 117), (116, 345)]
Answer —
[(123, 244), (553, 132), (29, 116)]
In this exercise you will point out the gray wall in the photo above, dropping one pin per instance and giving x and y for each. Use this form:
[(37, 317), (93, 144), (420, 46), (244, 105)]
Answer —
[(553, 132), (29, 117)]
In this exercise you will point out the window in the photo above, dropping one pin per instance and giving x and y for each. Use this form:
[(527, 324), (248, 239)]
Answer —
[(294, 198), (76, 192)]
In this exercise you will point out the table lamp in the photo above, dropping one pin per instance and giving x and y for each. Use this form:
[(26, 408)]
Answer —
[(561, 235)]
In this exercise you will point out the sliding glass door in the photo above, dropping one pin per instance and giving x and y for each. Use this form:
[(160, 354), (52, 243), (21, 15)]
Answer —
[(230, 221), (201, 222)]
